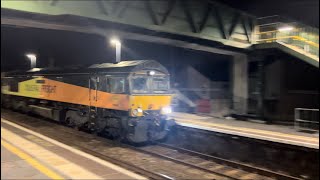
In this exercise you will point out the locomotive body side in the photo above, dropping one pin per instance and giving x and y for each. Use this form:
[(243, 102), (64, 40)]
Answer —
[(98, 101), (48, 89)]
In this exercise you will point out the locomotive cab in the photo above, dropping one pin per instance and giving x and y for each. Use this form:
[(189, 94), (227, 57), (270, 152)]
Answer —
[(149, 91), (150, 99)]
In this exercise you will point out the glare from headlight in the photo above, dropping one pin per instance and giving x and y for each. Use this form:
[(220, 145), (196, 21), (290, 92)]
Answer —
[(166, 110), (135, 112)]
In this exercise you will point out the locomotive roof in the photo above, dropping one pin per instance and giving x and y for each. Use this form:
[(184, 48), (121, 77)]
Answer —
[(124, 67)]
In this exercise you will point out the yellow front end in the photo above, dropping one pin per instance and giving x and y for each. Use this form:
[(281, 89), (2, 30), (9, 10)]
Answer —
[(149, 120), (139, 104)]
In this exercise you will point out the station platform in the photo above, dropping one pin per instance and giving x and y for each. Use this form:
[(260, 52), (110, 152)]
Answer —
[(251, 129), (29, 155)]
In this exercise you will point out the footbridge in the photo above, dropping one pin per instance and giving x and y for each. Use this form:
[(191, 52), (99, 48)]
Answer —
[(203, 25), (294, 38)]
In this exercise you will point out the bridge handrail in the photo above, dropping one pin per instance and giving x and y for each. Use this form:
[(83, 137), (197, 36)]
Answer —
[(294, 34)]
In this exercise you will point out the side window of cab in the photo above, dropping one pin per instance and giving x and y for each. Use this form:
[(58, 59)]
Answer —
[(116, 85)]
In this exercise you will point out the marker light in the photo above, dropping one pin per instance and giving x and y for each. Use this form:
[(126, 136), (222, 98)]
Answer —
[(151, 73), (285, 28), (166, 110)]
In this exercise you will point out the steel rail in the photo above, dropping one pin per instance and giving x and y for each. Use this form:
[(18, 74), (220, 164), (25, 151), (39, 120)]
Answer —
[(182, 162), (234, 164), (152, 175)]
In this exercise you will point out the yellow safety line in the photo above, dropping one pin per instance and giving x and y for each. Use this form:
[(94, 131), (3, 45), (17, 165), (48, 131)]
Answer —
[(34, 163)]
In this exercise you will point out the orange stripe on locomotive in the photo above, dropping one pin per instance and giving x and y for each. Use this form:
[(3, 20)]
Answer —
[(69, 93)]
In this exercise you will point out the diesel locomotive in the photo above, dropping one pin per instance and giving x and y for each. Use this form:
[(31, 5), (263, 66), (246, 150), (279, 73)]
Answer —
[(129, 100)]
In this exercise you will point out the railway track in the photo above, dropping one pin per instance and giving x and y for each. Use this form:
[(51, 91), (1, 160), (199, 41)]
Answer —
[(214, 164), (157, 161)]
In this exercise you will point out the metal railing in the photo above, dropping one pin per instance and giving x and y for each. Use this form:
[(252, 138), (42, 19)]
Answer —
[(296, 35), (306, 119)]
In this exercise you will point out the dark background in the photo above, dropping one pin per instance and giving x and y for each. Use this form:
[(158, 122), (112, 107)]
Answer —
[(306, 11), (70, 48)]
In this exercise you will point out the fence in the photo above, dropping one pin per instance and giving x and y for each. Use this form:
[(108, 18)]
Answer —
[(306, 119)]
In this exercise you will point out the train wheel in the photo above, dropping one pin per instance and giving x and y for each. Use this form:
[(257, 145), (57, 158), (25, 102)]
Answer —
[(15, 105), (7, 103), (69, 122), (24, 107)]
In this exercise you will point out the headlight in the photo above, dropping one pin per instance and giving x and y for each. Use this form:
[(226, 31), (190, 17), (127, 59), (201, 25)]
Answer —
[(166, 110), (135, 112)]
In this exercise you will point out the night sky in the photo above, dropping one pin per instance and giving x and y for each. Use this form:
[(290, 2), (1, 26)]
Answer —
[(70, 48), (305, 11)]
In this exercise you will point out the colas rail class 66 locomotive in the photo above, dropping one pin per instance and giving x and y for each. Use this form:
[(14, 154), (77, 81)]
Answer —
[(129, 100)]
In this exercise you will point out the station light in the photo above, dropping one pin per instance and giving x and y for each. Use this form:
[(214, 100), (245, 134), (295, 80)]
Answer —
[(285, 28), (31, 56), (33, 59), (117, 43)]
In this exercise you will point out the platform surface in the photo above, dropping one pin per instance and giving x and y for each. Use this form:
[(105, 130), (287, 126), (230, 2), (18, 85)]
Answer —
[(251, 129), (30, 155), (14, 167)]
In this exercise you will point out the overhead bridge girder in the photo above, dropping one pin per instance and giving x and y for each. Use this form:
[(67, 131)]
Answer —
[(202, 19)]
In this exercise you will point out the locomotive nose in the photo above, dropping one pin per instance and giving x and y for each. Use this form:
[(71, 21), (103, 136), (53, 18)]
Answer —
[(148, 129), (171, 123)]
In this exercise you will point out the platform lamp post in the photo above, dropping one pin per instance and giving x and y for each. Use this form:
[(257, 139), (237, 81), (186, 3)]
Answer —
[(117, 44), (33, 60)]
